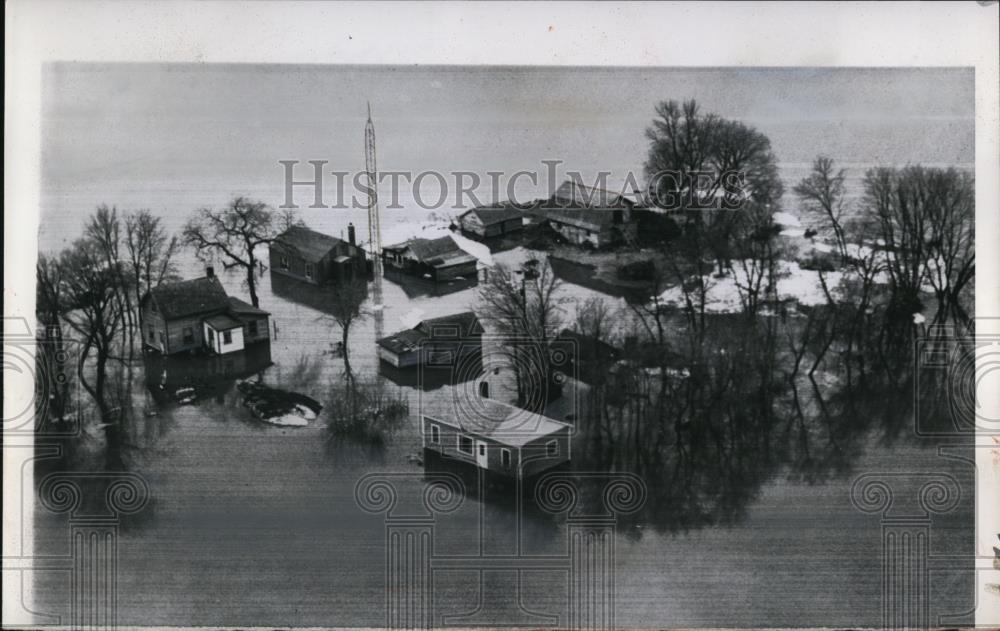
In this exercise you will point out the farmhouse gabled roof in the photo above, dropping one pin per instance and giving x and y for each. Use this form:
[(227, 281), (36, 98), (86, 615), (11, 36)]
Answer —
[(312, 245), (190, 297)]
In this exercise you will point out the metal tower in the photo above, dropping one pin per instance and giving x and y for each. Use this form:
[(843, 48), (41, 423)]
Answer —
[(374, 228)]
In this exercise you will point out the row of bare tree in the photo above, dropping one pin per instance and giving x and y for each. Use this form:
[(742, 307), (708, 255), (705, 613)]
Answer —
[(94, 287), (706, 405)]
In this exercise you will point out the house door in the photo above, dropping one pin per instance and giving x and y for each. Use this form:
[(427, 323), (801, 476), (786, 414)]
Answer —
[(481, 454)]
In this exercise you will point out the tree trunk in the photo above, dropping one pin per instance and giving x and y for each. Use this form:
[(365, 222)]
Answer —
[(347, 358)]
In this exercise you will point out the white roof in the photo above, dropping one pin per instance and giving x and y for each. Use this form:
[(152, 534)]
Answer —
[(502, 423)]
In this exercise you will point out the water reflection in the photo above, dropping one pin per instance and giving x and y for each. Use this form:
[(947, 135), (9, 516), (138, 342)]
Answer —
[(186, 379), (318, 297)]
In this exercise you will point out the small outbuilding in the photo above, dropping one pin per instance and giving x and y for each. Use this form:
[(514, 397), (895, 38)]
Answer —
[(443, 342), (498, 438), (435, 261)]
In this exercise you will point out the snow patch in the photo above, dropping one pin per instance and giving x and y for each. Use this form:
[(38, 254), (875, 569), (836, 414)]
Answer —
[(412, 318), (287, 420), (786, 219)]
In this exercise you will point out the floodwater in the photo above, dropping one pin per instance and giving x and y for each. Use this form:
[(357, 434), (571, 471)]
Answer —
[(255, 525), (251, 524)]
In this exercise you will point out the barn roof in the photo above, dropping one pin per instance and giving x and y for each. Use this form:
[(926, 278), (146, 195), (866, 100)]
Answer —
[(190, 297), (497, 213), (582, 206), (500, 422), (312, 245), (572, 194)]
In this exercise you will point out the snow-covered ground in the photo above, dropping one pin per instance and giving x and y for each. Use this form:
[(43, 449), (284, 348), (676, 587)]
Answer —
[(723, 295), (790, 224)]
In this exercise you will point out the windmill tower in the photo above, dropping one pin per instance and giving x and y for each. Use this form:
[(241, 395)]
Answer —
[(374, 228)]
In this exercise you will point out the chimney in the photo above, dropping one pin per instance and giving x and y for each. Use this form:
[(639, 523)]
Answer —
[(210, 272), (350, 233)]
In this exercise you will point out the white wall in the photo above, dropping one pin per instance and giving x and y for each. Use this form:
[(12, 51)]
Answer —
[(218, 345)]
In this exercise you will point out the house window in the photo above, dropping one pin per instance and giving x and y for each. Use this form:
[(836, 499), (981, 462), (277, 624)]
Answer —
[(188, 335), (309, 270), (211, 337), (465, 444), (552, 448), (252, 328), (484, 389), (227, 337), (283, 262), (505, 458), (482, 449), (152, 334), (435, 434)]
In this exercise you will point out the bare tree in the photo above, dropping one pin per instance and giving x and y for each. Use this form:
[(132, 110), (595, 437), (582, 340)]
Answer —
[(103, 230), (288, 218), (150, 252), (49, 306), (522, 307), (951, 261), (822, 191), (926, 221), (697, 160), (94, 311), (345, 308), (233, 233)]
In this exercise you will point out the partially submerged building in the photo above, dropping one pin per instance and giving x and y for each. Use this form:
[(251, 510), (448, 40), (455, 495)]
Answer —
[(197, 315), (492, 223), (436, 262), (498, 438), (444, 342), (588, 216), (317, 258)]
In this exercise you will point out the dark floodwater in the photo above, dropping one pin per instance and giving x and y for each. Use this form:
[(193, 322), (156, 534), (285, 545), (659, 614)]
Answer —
[(250, 524)]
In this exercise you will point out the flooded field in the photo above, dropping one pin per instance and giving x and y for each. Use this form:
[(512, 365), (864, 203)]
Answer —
[(254, 524)]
